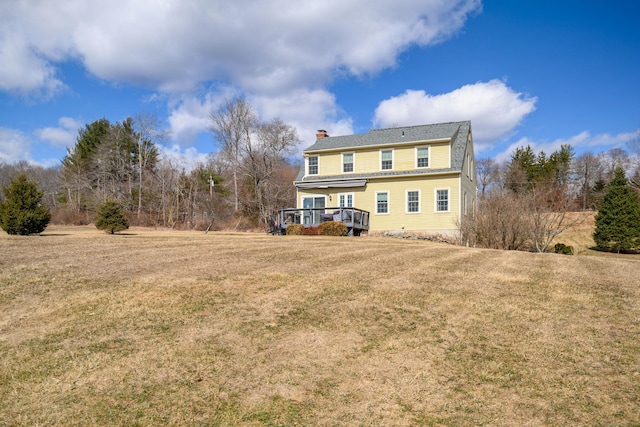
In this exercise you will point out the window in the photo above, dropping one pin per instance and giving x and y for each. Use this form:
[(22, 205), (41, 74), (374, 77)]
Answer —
[(413, 201), (422, 157), (346, 200), (313, 165), (347, 162), (464, 206), (386, 159), (312, 209), (382, 203), (442, 200)]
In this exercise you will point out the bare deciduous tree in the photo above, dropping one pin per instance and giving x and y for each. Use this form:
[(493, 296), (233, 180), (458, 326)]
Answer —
[(587, 170), (147, 132), (487, 173), (232, 126)]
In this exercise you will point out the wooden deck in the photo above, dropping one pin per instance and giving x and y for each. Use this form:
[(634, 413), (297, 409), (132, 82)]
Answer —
[(356, 220)]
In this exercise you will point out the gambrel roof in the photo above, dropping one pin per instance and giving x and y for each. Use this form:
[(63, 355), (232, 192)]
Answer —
[(457, 133)]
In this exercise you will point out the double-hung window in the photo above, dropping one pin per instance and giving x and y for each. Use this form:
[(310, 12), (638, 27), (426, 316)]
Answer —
[(345, 200), (422, 157), (312, 165), (413, 201), (347, 162), (442, 200), (386, 159), (382, 202)]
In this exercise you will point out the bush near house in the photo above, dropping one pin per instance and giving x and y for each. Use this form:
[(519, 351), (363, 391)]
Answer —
[(333, 228), (295, 230), (310, 231)]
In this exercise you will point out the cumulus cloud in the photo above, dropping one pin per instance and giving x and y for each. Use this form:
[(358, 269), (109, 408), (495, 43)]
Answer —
[(190, 116), (495, 110), (580, 142), (307, 111), (62, 136), (262, 47), (282, 55), (14, 145), (186, 158)]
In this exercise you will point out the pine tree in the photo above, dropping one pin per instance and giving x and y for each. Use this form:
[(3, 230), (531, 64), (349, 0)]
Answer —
[(111, 217), (22, 211), (618, 218)]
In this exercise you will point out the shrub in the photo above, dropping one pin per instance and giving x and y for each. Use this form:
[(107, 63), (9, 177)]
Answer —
[(295, 230), (618, 217), (22, 211), (310, 231), (111, 217), (561, 248), (333, 228)]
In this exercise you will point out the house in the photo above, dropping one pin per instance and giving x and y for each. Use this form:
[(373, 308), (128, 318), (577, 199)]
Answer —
[(415, 178)]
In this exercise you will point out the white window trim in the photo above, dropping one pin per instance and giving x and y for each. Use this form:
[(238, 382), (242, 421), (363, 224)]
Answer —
[(353, 199), (435, 200), (306, 161), (428, 157), (388, 202), (393, 160), (353, 161), (406, 202)]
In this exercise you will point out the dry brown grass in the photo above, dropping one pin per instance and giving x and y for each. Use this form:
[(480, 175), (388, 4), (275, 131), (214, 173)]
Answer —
[(159, 327)]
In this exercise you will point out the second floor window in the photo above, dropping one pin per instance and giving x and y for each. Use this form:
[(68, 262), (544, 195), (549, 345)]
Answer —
[(313, 165), (386, 159), (347, 162), (422, 157)]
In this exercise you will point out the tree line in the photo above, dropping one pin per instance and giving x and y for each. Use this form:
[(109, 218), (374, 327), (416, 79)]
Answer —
[(247, 177), (523, 203), (526, 202)]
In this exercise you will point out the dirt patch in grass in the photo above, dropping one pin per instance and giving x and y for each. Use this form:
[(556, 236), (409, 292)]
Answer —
[(160, 327)]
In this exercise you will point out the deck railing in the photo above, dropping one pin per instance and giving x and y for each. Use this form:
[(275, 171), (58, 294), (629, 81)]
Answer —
[(355, 219)]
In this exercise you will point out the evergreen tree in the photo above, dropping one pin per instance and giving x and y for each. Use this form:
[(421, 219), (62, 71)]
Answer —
[(22, 211), (618, 218), (111, 217)]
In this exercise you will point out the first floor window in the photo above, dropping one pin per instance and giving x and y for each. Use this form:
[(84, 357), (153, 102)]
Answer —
[(347, 162), (346, 200), (442, 200), (382, 202), (313, 165), (413, 201)]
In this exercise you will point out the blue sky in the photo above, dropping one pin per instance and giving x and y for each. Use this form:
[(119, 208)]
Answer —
[(534, 72)]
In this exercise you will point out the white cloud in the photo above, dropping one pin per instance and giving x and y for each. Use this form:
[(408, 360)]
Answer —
[(280, 54), (581, 142), (495, 110), (186, 158), (262, 47), (307, 111), (63, 136), (14, 145)]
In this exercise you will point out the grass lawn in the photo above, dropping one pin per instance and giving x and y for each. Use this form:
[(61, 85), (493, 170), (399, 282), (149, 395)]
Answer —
[(154, 327)]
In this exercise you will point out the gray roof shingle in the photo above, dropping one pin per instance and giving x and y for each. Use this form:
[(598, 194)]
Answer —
[(456, 131)]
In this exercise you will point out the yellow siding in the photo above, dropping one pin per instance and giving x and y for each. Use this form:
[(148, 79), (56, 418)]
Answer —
[(367, 160), (397, 218)]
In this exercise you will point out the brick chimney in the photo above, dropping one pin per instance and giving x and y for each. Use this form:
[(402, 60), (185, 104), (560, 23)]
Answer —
[(322, 134)]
